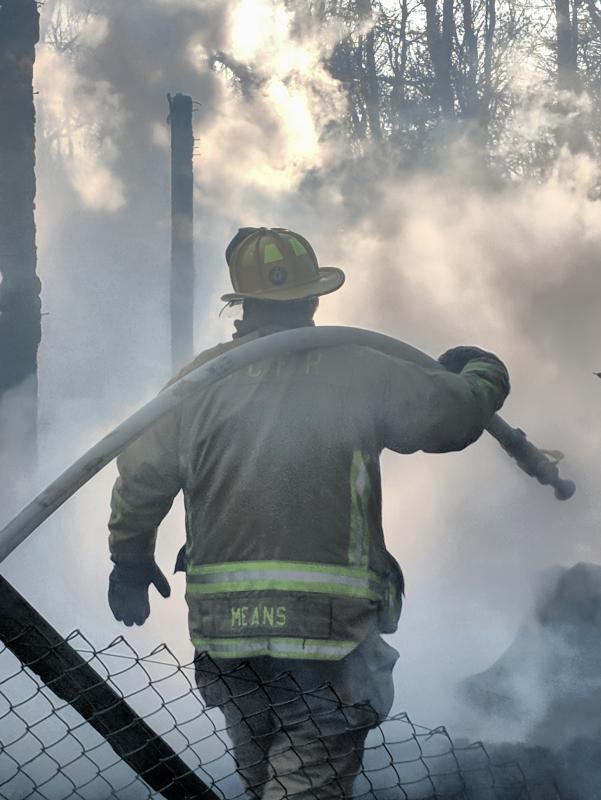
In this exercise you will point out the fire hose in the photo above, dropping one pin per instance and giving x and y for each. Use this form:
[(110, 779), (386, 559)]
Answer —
[(530, 459)]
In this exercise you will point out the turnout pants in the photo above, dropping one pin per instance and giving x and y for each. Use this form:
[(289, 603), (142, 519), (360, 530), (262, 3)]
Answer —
[(298, 728)]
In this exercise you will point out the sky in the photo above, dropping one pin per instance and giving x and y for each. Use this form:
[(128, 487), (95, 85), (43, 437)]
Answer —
[(436, 256)]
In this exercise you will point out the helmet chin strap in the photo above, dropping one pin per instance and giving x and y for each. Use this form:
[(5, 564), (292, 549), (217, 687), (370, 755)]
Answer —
[(513, 440)]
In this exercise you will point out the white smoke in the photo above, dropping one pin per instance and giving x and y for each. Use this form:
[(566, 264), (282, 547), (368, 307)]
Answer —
[(79, 119), (438, 256)]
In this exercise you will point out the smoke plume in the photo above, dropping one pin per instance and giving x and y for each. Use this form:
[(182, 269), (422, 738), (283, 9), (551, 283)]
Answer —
[(437, 253)]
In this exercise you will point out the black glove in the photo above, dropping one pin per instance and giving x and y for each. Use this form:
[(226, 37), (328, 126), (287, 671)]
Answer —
[(456, 359), (128, 590)]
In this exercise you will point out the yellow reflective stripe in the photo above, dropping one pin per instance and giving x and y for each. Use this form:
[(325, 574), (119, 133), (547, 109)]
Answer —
[(483, 364), (272, 253), (298, 248), (285, 576), (277, 647), (483, 371), (359, 519)]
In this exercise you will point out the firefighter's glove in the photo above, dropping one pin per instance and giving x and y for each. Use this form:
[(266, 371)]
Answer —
[(128, 590), (456, 358), (487, 366)]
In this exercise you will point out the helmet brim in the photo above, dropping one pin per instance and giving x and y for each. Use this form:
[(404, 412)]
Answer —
[(330, 279)]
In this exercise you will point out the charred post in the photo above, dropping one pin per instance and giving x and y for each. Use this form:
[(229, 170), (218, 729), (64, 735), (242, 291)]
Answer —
[(182, 230), (20, 311)]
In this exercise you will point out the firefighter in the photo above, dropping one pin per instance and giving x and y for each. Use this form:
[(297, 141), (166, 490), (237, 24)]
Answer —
[(289, 583)]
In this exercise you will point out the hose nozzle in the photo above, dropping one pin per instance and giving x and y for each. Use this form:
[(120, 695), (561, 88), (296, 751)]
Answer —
[(540, 464)]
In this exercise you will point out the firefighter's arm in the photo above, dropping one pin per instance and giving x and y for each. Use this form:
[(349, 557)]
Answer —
[(149, 479), (439, 411)]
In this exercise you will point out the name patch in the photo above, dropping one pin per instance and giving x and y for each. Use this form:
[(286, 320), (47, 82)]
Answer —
[(255, 616), (262, 614)]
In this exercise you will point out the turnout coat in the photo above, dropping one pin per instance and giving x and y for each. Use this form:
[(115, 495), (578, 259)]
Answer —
[(279, 468)]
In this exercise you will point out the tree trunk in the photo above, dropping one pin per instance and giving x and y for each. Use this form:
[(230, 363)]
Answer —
[(566, 44), (369, 76), (470, 43), (20, 308), (404, 40), (398, 59), (489, 36), (440, 48), (448, 32)]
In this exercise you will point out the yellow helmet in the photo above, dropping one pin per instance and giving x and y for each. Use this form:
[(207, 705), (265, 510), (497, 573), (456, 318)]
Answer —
[(277, 264)]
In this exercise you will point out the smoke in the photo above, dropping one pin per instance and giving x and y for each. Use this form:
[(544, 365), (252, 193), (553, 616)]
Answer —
[(438, 254), (81, 119)]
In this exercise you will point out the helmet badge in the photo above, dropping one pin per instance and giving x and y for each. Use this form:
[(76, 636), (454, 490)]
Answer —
[(278, 275)]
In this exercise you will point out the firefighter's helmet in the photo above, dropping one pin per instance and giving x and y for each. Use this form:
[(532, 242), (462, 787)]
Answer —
[(277, 264)]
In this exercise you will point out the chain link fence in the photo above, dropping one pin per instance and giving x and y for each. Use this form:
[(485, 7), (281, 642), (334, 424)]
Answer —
[(136, 727)]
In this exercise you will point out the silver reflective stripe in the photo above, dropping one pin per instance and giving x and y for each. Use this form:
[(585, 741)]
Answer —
[(288, 576), (277, 647)]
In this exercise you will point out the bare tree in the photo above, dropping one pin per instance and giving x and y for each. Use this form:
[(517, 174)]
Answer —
[(64, 26), (410, 66)]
